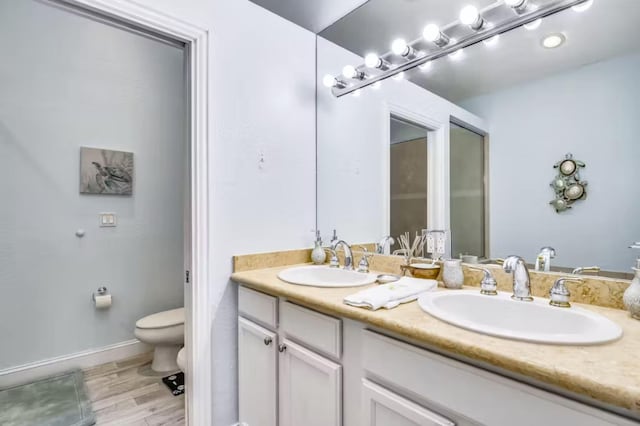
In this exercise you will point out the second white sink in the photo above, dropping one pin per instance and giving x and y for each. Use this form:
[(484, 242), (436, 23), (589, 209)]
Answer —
[(529, 321), (323, 276)]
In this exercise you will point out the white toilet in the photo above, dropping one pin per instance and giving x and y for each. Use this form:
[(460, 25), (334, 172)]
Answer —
[(182, 360), (165, 331)]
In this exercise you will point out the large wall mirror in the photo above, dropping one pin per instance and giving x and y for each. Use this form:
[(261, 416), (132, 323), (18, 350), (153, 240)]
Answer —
[(467, 142)]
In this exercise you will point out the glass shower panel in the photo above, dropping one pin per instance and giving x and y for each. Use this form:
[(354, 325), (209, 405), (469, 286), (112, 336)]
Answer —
[(467, 192)]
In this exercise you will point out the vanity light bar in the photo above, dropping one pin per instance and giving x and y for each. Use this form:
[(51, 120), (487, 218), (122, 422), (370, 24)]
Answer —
[(480, 23)]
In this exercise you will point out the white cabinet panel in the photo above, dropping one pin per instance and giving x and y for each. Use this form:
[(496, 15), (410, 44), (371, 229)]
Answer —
[(385, 408), (257, 374), (258, 306), (312, 328), (310, 388), (467, 391)]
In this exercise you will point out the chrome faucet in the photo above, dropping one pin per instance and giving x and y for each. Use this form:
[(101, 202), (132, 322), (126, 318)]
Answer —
[(348, 254), (543, 261), (387, 241), (587, 269), (521, 280)]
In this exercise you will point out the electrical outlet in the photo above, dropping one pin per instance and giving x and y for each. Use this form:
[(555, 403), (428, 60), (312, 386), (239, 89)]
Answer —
[(431, 243), (441, 243), (108, 220)]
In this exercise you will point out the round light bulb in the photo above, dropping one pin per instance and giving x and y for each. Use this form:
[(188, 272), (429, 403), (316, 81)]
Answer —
[(431, 32), (469, 15), (349, 71), (553, 40), (328, 80), (372, 60), (399, 46), (399, 76), (583, 6), (533, 25)]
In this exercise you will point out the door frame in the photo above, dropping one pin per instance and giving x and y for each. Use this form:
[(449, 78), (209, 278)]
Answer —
[(199, 318), (437, 167)]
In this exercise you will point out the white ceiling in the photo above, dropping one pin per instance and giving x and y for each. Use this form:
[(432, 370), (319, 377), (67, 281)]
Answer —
[(314, 15), (609, 28)]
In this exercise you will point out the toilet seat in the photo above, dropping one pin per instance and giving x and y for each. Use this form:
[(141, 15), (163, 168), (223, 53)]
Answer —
[(163, 319)]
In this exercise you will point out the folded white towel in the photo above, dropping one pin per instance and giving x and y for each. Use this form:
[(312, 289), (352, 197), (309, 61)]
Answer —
[(391, 295)]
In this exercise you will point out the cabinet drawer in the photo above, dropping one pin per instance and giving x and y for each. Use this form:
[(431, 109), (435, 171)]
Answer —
[(258, 306), (316, 330), (383, 407), (472, 392)]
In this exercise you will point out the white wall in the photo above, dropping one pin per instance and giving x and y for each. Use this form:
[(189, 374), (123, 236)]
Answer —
[(65, 82), (353, 148), (261, 101), (591, 112)]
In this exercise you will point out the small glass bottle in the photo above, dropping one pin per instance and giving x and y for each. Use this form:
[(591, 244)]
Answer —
[(452, 274)]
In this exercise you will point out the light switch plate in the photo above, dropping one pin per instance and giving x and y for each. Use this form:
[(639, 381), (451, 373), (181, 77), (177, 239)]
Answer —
[(108, 220)]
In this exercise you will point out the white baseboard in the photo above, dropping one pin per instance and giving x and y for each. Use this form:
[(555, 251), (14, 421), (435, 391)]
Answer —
[(90, 358)]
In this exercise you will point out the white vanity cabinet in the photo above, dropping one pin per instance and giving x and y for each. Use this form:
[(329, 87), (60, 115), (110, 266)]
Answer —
[(299, 367), (257, 374), (310, 388), (282, 382)]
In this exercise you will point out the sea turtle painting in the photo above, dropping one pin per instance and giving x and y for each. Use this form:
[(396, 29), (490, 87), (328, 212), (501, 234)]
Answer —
[(105, 171)]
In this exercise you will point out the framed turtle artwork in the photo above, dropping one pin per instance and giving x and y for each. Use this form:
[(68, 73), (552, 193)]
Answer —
[(104, 171)]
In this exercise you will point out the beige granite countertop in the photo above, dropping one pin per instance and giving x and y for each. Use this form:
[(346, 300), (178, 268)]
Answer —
[(608, 373)]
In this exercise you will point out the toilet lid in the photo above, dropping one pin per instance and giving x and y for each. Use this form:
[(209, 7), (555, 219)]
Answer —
[(162, 319)]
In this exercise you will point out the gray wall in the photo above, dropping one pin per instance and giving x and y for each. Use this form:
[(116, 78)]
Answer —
[(67, 81), (592, 112)]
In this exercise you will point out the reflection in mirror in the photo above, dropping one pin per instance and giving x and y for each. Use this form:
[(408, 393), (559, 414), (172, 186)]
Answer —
[(499, 115), (467, 193), (408, 178)]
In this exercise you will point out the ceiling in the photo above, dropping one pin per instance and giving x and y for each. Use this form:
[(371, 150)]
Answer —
[(609, 28), (314, 15)]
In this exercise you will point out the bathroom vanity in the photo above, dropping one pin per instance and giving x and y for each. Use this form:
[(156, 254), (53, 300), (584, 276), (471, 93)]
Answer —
[(305, 358)]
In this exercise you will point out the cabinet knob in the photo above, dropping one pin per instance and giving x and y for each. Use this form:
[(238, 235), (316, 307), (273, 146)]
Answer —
[(268, 340), (282, 347)]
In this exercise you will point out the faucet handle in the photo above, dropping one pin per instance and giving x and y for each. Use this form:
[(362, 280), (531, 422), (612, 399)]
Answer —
[(488, 285), (333, 260), (588, 269), (559, 293), (363, 265)]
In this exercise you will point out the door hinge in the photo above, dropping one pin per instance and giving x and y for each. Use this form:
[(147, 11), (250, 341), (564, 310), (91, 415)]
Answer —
[(186, 277)]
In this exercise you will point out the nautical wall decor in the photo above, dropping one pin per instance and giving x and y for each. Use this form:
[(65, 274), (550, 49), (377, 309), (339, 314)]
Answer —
[(567, 185), (103, 171)]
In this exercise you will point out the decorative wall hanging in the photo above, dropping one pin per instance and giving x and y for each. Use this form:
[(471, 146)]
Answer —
[(567, 184), (103, 171)]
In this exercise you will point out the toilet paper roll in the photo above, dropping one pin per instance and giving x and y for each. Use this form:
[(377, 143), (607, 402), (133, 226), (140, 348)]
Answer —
[(102, 302)]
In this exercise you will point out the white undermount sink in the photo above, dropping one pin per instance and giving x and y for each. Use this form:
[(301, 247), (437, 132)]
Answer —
[(323, 276), (535, 321)]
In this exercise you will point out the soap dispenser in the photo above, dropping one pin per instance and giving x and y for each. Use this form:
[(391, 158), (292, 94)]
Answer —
[(631, 296), (318, 255)]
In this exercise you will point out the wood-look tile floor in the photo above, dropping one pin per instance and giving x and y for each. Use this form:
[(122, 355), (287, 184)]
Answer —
[(128, 392)]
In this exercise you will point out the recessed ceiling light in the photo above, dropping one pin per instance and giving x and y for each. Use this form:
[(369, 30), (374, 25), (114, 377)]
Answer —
[(583, 6), (553, 40), (533, 25)]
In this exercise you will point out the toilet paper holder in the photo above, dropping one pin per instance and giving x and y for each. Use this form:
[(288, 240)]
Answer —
[(101, 292)]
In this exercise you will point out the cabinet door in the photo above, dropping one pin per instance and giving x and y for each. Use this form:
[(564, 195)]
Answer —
[(310, 388), (383, 408), (257, 374)]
